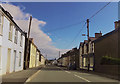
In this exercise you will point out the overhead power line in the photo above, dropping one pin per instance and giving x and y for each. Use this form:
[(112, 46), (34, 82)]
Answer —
[(76, 35), (68, 26), (99, 10), (65, 27)]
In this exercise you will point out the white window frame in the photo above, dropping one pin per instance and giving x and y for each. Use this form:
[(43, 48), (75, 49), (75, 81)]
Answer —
[(15, 55), (20, 56), (1, 24), (10, 32), (0, 55), (21, 39), (16, 36)]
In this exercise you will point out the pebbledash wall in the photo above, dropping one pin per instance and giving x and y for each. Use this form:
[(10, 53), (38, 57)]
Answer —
[(107, 45), (12, 42)]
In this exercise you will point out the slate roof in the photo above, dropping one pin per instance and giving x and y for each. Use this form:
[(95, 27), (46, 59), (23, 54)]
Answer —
[(106, 35), (11, 18)]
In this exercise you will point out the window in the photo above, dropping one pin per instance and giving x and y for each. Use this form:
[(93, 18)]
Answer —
[(0, 56), (10, 32), (15, 37), (21, 40), (1, 24), (20, 58), (14, 59), (39, 57)]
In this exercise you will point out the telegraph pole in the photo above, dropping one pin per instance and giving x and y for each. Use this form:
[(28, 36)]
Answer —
[(26, 63), (59, 54), (88, 44), (46, 56)]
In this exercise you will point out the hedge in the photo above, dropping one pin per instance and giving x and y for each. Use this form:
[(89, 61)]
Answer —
[(110, 60)]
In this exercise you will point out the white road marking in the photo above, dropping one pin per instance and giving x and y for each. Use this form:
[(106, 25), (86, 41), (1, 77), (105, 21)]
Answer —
[(83, 73), (68, 72), (82, 78), (31, 77)]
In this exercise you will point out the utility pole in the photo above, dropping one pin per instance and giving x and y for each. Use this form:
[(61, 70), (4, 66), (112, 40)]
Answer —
[(59, 54), (88, 44), (26, 64), (46, 56)]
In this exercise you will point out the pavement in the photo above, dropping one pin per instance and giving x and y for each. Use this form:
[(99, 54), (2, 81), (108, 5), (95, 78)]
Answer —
[(20, 76), (56, 75)]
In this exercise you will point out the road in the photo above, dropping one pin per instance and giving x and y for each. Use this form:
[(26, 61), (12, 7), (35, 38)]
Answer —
[(58, 74)]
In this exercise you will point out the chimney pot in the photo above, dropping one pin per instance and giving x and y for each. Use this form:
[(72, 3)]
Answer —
[(117, 24), (32, 40), (97, 35)]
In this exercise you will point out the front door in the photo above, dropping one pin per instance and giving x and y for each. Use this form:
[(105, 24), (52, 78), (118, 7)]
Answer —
[(8, 61)]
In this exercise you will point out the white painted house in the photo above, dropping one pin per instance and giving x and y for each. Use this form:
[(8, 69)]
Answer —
[(12, 42), (42, 60)]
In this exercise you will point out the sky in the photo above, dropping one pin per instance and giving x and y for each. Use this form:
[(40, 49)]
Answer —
[(55, 24)]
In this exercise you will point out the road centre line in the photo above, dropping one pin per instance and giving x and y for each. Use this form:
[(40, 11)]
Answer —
[(31, 77), (82, 78), (83, 73)]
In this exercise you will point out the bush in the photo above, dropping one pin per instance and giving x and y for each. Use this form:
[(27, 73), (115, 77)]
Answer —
[(110, 60)]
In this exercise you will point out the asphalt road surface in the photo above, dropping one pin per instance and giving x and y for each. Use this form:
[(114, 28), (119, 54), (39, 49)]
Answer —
[(59, 74)]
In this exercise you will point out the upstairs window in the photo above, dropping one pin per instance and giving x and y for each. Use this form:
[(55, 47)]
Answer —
[(10, 32), (16, 35), (0, 56), (1, 24), (21, 40)]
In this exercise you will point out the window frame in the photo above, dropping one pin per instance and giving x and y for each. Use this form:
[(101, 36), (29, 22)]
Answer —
[(20, 56), (10, 31), (0, 54), (1, 24), (16, 36), (21, 39)]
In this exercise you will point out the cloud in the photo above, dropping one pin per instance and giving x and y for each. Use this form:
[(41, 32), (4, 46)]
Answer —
[(42, 40)]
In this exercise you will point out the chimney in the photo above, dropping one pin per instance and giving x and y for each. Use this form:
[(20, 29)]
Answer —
[(9, 15), (117, 24), (32, 40), (97, 35)]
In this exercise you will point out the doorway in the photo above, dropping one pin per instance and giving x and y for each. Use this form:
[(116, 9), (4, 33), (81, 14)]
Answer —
[(8, 61)]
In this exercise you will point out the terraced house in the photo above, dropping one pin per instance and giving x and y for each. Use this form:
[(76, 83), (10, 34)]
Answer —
[(107, 52), (12, 41), (34, 57), (86, 51)]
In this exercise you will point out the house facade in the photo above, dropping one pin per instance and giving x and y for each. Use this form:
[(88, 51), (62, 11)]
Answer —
[(38, 58), (84, 55), (12, 41), (65, 60), (33, 54), (81, 51), (42, 60), (86, 52), (107, 52), (70, 59)]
